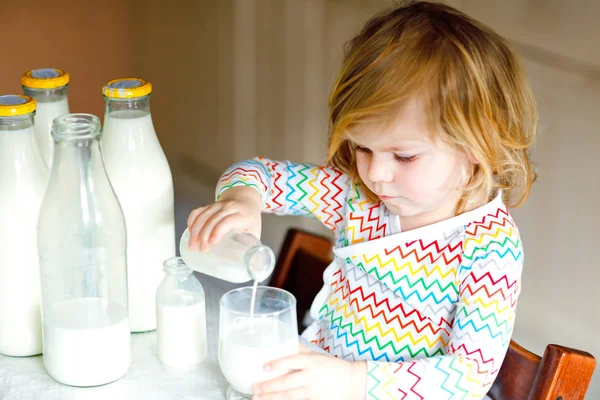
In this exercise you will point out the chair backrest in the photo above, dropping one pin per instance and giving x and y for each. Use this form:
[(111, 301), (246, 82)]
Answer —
[(561, 374), (299, 269)]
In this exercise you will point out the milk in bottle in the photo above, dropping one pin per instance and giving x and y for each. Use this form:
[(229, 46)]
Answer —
[(23, 180), (141, 177), (82, 249)]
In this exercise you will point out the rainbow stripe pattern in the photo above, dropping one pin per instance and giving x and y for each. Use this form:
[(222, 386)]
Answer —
[(431, 310)]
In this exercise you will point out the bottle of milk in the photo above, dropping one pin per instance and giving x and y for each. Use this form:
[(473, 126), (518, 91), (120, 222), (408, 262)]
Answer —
[(23, 180), (48, 86), (139, 173), (238, 257), (82, 244), (180, 317)]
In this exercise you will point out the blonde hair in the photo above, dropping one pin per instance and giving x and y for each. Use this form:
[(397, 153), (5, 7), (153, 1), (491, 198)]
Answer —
[(472, 84)]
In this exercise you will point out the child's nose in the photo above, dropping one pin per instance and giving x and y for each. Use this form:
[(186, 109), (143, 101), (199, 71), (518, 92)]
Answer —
[(379, 170)]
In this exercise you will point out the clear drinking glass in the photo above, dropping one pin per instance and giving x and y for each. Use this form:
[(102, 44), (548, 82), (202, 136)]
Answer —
[(247, 341)]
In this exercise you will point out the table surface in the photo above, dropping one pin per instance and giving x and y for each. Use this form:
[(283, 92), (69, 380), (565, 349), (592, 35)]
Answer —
[(26, 378)]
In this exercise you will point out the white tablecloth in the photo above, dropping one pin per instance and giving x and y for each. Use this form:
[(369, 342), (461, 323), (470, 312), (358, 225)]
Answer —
[(26, 378)]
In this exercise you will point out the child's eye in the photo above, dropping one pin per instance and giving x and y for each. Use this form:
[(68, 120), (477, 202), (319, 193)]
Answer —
[(405, 159), (362, 149)]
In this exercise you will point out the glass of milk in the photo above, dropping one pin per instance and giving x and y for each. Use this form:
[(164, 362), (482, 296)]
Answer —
[(180, 317), (48, 86), (248, 339)]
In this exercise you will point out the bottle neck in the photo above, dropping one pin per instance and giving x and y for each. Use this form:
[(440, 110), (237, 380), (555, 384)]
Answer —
[(76, 148), (47, 95), (260, 262), (16, 123), (139, 105), (175, 267), (17, 141)]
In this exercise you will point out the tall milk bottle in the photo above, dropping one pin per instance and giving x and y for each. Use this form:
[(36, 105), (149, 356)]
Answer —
[(140, 174), (82, 248), (23, 180), (48, 86)]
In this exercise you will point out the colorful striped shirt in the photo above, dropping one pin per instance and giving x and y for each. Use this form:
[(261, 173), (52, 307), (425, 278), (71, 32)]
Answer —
[(431, 310)]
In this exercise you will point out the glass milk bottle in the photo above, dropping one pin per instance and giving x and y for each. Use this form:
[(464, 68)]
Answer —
[(238, 257), (23, 180), (48, 86), (180, 317), (140, 175), (82, 243)]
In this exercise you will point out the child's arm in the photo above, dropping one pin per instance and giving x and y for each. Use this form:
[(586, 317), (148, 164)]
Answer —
[(490, 284), (292, 189), (279, 187)]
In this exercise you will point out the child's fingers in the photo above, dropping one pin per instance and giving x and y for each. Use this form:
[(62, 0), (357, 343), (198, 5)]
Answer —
[(293, 380), (198, 225), (295, 362), (225, 225), (210, 224), (300, 393), (193, 215)]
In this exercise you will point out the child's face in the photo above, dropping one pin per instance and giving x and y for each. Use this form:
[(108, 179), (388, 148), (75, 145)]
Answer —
[(418, 178)]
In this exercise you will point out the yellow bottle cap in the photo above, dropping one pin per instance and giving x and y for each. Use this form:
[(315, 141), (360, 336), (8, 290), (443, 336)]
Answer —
[(45, 78), (13, 105), (127, 88)]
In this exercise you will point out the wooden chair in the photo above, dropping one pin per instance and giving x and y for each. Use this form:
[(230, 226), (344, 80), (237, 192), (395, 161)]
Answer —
[(561, 374), (299, 269)]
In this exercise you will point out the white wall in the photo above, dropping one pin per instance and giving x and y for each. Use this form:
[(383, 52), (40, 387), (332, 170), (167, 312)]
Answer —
[(559, 44)]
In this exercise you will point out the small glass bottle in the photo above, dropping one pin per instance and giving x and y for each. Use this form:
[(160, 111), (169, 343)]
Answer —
[(48, 86), (180, 317), (238, 257), (23, 180), (82, 249)]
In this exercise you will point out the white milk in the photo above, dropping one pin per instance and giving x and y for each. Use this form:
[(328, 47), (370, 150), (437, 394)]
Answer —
[(140, 175), (253, 299), (82, 351), (226, 265), (181, 335), (247, 345), (23, 181), (45, 114)]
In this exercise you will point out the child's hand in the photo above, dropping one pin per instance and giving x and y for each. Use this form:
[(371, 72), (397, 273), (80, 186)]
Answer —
[(312, 377), (238, 209)]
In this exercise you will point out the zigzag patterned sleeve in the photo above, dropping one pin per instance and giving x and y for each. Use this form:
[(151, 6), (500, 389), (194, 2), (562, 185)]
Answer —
[(292, 189), (490, 283)]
